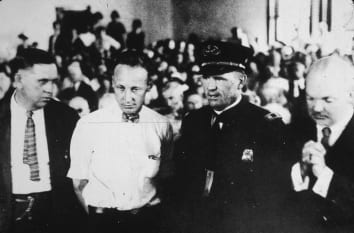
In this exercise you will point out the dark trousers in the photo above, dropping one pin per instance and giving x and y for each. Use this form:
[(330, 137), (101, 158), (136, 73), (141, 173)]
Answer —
[(31, 213), (109, 220)]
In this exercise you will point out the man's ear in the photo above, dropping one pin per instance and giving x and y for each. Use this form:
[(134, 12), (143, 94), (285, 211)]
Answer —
[(243, 80), (17, 80)]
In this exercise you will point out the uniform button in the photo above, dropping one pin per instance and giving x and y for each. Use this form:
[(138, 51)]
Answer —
[(324, 218)]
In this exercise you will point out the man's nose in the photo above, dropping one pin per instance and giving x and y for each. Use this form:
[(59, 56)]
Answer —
[(48, 87), (128, 96), (318, 106), (211, 84)]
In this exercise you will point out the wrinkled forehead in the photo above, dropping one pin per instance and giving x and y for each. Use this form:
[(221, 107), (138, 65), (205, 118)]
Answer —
[(48, 71)]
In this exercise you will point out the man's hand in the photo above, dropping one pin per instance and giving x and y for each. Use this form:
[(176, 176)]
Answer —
[(313, 154)]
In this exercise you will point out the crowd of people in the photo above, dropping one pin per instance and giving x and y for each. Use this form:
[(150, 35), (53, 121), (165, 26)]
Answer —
[(276, 77), (211, 100)]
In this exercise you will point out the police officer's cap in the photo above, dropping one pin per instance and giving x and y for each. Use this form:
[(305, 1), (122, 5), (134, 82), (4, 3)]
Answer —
[(219, 57)]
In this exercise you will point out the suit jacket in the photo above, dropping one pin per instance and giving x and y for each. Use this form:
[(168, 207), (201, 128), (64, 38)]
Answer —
[(85, 91), (59, 46), (335, 213), (60, 121), (246, 195)]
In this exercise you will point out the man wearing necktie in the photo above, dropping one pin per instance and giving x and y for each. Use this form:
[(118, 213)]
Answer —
[(323, 178), (35, 131), (121, 156), (228, 165)]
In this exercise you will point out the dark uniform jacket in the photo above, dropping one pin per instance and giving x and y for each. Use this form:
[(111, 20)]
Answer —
[(60, 121), (247, 191), (336, 212)]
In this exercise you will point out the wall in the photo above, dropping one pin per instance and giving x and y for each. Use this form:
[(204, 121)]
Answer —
[(216, 17), (35, 17)]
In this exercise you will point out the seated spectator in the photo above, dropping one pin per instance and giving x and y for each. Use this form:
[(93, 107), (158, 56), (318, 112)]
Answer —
[(193, 101), (24, 43), (79, 86), (104, 43), (80, 105), (136, 38), (116, 29), (172, 93), (274, 100)]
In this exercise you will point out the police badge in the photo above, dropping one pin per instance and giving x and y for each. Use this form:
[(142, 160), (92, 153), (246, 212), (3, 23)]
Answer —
[(247, 155)]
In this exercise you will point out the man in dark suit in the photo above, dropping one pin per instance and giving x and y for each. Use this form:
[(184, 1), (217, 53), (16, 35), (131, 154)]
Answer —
[(80, 86), (35, 132), (57, 43), (227, 157), (324, 177)]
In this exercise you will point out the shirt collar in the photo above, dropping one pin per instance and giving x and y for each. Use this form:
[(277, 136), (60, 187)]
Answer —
[(336, 129), (115, 109), (230, 106)]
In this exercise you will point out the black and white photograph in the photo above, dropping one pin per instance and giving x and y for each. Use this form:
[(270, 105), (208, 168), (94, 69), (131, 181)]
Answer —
[(176, 116)]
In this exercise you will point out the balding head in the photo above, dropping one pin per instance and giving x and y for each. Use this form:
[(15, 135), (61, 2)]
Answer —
[(332, 67), (329, 90)]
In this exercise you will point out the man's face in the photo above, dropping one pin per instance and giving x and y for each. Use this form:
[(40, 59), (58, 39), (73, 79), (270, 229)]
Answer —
[(224, 89), (35, 85), (75, 72), (130, 87), (328, 99)]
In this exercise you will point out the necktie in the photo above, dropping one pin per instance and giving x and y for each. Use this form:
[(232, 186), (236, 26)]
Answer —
[(215, 125), (30, 151), (130, 118), (326, 133), (214, 143)]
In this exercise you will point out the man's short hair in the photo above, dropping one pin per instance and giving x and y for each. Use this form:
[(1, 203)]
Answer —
[(29, 57), (133, 58)]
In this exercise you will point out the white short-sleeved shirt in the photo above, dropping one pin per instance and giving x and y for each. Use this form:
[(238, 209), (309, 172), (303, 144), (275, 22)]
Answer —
[(119, 159)]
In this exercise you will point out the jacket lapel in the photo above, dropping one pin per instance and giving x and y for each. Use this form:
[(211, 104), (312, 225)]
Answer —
[(341, 155)]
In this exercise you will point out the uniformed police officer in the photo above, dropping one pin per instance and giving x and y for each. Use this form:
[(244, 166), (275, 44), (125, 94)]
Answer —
[(228, 165)]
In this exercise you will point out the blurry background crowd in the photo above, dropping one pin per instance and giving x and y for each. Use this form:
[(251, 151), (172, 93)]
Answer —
[(85, 49)]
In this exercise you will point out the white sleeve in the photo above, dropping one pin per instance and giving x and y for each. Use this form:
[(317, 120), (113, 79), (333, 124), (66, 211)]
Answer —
[(323, 181), (80, 152), (299, 184)]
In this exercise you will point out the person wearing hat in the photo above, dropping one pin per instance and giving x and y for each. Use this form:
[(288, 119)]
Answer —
[(35, 131), (229, 175), (24, 43)]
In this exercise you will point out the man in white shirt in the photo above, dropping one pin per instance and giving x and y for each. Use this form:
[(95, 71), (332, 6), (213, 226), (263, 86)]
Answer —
[(35, 131), (121, 154), (324, 177)]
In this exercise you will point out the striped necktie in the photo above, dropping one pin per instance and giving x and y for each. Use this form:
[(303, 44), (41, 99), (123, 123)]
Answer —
[(30, 150)]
